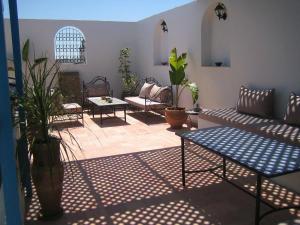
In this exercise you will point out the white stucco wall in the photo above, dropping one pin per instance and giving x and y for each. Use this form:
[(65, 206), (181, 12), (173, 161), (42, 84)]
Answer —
[(262, 39), (103, 43), (264, 49)]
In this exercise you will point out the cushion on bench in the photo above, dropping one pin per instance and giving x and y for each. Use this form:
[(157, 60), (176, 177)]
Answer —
[(265, 127), (232, 116), (159, 94), (70, 108), (256, 102), (140, 103), (145, 90), (283, 131), (292, 115)]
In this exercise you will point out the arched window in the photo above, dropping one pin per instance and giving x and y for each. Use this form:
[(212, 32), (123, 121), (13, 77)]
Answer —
[(69, 45), (161, 48)]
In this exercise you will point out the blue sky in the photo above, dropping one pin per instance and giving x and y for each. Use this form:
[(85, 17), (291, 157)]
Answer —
[(104, 10)]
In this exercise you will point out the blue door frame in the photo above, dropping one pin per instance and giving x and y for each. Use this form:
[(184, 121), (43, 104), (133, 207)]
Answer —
[(10, 183), (23, 159)]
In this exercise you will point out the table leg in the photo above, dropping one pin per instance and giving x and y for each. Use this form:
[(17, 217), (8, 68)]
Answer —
[(258, 199), (93, 109), (224, 168), (189, 122), (101, 116), (114, 109), (125, 113), (183, 162)]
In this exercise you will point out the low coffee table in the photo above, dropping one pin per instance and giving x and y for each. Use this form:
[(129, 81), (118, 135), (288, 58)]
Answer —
[(99, 104)]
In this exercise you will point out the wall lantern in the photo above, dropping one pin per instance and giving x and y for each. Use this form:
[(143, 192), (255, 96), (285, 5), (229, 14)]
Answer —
[(221, 11), (164, 26)]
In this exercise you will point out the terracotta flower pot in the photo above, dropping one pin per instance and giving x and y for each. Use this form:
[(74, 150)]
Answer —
[(47, 173), (176, 117)]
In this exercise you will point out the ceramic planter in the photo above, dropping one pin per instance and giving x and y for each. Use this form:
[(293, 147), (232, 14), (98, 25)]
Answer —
[(47, 174), (176, 117)]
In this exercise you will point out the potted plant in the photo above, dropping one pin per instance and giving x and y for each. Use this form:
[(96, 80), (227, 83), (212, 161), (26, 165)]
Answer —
[(129, 79), (40, 104), (176, 115)]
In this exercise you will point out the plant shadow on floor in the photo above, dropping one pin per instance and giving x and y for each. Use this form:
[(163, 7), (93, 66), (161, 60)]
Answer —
[(113, 121), (145, 188), (61, 125)]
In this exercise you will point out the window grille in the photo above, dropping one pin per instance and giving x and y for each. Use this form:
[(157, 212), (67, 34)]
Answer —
[(70, 45)]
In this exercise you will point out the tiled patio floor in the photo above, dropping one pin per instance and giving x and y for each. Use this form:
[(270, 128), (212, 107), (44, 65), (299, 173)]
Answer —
[(132, 175), (115, 136)]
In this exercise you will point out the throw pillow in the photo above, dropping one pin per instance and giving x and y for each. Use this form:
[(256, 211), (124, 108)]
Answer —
[(145, 90), (159, 94), (256, 102), (292, 115)]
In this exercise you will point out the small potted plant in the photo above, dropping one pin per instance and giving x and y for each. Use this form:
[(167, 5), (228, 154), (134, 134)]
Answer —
[(176, 115), (40, 104), (130, 80)]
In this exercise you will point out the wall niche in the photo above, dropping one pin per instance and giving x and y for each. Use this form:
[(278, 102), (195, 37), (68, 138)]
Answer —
[(215, 43), (161, 48)]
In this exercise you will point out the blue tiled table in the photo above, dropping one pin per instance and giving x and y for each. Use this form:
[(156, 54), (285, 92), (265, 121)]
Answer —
[(265, 156)]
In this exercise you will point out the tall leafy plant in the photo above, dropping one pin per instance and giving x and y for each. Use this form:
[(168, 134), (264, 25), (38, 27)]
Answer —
[(129, 79), (39, 95), (177, 74), (40, 100)]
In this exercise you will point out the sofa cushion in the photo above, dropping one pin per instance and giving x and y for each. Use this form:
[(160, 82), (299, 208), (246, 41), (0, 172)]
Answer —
[(140, 103), (159, 94), (231, 116), (292, 115), (70, 108), (256, 102), (145, 90), (267, 127)]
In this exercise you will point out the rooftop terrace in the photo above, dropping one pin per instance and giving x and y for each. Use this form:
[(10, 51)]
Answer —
[(130, 174), (237, 55)]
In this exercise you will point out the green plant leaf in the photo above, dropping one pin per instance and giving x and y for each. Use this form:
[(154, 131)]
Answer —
[(173, 58), (39, 61), (25, 51), (195, 91), (178, 65), (177, 75)]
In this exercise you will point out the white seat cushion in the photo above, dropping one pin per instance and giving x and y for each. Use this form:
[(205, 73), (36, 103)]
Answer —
[(72, 108), (140, 103)]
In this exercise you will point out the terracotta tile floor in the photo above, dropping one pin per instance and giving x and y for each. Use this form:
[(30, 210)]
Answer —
[(130, 174), (115, 136)]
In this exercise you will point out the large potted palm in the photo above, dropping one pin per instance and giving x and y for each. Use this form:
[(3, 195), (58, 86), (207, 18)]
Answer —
[(176, 115), (40, 104)]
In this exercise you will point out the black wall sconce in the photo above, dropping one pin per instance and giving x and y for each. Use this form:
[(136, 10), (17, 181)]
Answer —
[(164, 26), (221, 11)]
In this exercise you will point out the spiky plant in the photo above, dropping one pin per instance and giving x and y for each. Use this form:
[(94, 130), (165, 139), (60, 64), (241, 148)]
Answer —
[(40, 101)]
